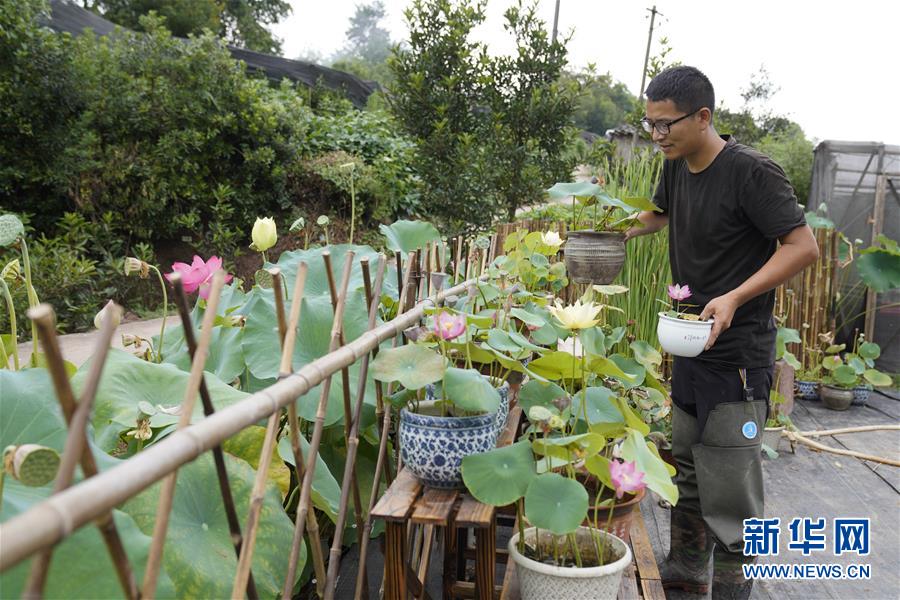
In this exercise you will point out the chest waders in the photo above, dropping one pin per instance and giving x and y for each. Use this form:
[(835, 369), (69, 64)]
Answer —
[(719, 482)]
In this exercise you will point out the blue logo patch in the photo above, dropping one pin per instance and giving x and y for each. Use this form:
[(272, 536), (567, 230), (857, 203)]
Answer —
[(749, 430)]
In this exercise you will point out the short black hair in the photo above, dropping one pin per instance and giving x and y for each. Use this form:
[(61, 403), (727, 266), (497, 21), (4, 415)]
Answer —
[(687, 87)]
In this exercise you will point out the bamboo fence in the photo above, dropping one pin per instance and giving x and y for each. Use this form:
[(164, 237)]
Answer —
[(38, 530)]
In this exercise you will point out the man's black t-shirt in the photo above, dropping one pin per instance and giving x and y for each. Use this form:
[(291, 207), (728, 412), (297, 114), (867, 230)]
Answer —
[(724, 223)]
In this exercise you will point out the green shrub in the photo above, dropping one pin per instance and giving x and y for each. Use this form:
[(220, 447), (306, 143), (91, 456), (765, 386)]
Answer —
[(171, 137), (77, 269)]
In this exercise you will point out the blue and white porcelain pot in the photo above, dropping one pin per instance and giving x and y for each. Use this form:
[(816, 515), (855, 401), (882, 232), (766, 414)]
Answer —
[(861, 395), (807, 390), (433, 392), (432, 446)]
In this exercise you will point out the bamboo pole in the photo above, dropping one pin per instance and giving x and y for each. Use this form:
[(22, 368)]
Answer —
[(303, 505), (345, 387), (459, 245), (382, 463), (285, 369), (234, 525), (796, 437), (54, 518), (46, 324), (76, 440), (334, 558), (425, 272), (265, 459), (379, 389), (843, 430), (167, 494)]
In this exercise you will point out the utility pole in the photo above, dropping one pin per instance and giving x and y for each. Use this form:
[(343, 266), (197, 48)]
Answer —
[(653, 12), (555, 20)]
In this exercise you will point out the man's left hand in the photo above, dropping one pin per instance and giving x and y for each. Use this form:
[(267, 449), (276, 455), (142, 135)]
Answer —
[(721, 309)]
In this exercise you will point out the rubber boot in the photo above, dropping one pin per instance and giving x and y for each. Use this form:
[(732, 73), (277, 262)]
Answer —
[(728, 575), (687, 565)]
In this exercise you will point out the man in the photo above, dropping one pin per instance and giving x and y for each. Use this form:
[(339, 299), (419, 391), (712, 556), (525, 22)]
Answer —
[(735, 233)]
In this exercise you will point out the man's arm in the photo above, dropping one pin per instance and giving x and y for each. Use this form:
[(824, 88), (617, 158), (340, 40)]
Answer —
[(653, 222), (798, 250)]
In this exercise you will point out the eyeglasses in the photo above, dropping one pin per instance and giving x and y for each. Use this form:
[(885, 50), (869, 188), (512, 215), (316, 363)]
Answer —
[(663, 127)]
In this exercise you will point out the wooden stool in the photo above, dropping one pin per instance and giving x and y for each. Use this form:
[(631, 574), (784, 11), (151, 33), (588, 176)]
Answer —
[(414, 514)]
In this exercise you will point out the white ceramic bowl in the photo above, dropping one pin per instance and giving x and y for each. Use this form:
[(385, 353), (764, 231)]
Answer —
[(682, 338)]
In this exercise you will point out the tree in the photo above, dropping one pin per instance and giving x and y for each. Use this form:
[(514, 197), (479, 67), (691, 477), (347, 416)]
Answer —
[(366, 39), (602, 103), (490, 131), (531, 111), (368, 45), (239, 22)]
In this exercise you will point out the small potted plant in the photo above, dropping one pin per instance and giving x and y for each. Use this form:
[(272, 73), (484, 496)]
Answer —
[(595, 242), (680, 332), (853, 371), (436, 434), (861, 359)]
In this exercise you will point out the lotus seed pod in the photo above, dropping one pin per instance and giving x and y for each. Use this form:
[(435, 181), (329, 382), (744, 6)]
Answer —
[(34, 465)]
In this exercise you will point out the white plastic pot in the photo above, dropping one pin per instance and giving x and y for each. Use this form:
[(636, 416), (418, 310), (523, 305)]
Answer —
[(682, 338), (540, 581)]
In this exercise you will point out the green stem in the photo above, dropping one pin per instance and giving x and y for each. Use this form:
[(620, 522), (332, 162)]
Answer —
[(12, 326), (32, 297), (2, 479), (352, 206), (162, 329), (520, 519), (574, 543), (604, 545)]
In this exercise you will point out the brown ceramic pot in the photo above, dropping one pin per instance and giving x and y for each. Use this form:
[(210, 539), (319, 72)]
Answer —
[(594, 256)]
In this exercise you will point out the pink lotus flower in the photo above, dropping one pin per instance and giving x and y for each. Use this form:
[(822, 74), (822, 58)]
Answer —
[(679, 292), (198, 274), (626, 478), (449, 327)]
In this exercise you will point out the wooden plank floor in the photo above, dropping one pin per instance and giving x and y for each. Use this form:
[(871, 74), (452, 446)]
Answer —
[(818, 484)]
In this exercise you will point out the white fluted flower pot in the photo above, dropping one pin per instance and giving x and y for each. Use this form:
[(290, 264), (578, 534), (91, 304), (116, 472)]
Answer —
[(541, 581)]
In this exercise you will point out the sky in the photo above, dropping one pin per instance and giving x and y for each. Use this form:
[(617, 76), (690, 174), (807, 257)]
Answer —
[(836, 64)]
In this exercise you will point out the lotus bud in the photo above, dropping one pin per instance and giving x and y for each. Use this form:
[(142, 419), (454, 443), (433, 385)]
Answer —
[(31, 464), (110, 307), (264, 234)]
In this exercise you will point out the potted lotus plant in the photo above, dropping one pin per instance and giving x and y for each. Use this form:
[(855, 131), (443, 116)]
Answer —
[(851, 373), (680, 332), (595, 242), (581, 432), (436, 434)]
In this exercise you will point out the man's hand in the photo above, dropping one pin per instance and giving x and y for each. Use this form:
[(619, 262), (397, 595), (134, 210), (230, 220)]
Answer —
[(652, 222), (722, 310)]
